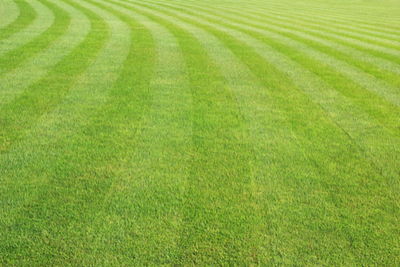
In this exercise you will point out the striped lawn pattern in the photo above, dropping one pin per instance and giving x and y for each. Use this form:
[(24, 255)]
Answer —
[(199, 132)]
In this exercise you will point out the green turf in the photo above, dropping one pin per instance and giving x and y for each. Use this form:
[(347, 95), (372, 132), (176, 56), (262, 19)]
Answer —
[(199, 132)]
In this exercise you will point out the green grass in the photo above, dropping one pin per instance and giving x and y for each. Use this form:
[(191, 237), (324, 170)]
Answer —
[(223, 132)]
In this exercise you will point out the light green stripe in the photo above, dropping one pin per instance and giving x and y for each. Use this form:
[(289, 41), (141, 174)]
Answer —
[(308, 13), (42, 22), (352, 52), (369, 82), (153, 174), (49, 138), (17, 56), (294, 154), (348, 116), (26, 16), (369, 18), (9, 12), (390, 51), (253, 15), (203, 186), (15, 82)]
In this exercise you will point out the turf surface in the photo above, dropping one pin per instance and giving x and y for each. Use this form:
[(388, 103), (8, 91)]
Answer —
[(199, 132)]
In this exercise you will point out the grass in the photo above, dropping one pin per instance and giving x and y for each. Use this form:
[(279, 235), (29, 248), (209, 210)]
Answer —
[(205, 132)]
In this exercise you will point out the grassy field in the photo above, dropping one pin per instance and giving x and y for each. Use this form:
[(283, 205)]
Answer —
[(199, 132)]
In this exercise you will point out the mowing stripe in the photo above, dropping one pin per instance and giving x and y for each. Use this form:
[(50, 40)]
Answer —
[(40, 24), (119, 123), (385, 20), (44, 95), (54, 129), (281, 30), (380, 33), (354, 120), (200, 133), (13, 58), (310, 152), (13, 83), (330, 26), (347, 86), (390, 77), (9, 13), (356, 153), (368, 82), (149, 197), (162, 159), (266, 17), (115, 121), (259, 43), (299, 12), (219, 140), (303, 34), (224, 67), (363, 171), (26, 16), (228, 149)]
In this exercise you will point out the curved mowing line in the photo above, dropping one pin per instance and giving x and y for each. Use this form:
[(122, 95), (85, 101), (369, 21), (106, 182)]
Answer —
[(308, 15), (380, 33), (217, 123), (342, 106), (257, 186), (392, 42), (278, 85), (90, 90), (382, 63), (91, 95), (214, 107), (234, 72), (44, 95), (15, 82), (315, 18), (9, 13), (87, 113), (25, 17), (389, 73), (346, 85), (360, 158), (13, 58), (193, 191), (279, 31), (343, 34), (305, 184), (316, 26), (163, 103), (386, 23), (385, 52), (42, 22)]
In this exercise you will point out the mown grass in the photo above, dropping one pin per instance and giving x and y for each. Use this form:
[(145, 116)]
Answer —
[(25, 17), (15, 57), (206, 132)]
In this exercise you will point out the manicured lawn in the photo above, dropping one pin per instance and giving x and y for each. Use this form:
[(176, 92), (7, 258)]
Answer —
[(199, 132)]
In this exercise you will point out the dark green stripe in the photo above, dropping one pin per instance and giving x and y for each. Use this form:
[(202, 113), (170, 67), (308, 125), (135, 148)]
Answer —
[(379, 109), (16, 57), (25, 18), (86, 164), (22, 113)]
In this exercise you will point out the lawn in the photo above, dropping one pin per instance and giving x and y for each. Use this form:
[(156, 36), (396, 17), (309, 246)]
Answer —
[(199, 132)]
